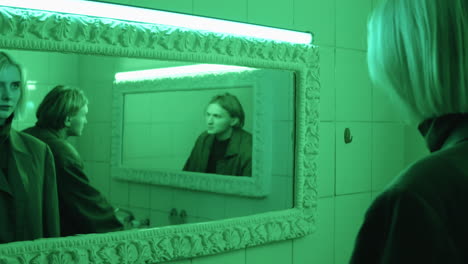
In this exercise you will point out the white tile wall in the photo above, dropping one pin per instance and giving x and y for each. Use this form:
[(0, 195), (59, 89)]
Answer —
[(317, 16), (98, 111), (271, 253), (387, 159), (62, 69), (327, 84), (320, 245), (272, 13), (233, 257), (326, 160), (353, 160), (230, 10), (98, 134), (383, 110), (182, 6), (139, 195), (119, 193), (351, 19), (282, 149), (353, 87), (238, 206)]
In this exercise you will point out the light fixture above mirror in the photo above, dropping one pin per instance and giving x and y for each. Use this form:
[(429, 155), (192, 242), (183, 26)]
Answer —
[(178, 71), (136, 14)]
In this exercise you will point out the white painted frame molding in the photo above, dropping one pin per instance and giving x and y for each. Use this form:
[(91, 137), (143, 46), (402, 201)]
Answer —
[(49, 31)]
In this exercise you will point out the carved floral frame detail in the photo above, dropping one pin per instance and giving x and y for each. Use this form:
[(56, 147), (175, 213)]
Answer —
[(51, 31)]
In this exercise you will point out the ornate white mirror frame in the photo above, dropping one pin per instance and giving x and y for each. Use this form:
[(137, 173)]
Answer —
[(50, 31), (256, 186)]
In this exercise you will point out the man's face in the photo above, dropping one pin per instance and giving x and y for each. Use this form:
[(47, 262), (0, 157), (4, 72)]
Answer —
[(10, 92), (218, 120), (77, 122)]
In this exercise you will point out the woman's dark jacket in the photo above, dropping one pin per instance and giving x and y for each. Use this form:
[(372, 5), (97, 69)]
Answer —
[(422, 217), (28, 191), (238, 158), (82, 208)]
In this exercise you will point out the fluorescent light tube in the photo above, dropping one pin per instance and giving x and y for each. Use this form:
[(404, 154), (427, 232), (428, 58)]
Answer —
[(179, 71), (99, 9)]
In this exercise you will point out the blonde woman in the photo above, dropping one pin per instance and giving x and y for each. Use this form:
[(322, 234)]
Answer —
[(418, 53), (28, 190)]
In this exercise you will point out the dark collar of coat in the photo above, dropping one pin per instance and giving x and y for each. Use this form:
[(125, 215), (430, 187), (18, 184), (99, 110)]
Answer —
[(47, 132), (459, 134), (444, 131), (234, 145)]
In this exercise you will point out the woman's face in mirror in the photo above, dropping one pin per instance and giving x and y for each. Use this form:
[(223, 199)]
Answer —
[(10, 92), (218, 120)]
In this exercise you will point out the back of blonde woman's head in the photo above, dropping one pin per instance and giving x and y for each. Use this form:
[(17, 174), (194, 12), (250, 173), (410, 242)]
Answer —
[(6, 61), (418, 52)]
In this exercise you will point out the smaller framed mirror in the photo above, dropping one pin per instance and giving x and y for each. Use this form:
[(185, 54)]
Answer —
[(157, 120)]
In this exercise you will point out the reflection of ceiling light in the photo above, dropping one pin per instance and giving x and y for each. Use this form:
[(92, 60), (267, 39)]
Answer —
[(31, 85), (30, 105), (180, 71), (98, 9)]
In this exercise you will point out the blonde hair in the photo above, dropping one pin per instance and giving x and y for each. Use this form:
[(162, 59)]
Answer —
[(5, 61), (418, 52), (60, 102)]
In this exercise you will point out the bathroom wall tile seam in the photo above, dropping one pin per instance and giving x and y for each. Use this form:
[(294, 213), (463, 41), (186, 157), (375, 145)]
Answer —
[(334, 157), (361, 121), (334, 231), (350, 48), (325, 46), (351, 193), (335, 117)]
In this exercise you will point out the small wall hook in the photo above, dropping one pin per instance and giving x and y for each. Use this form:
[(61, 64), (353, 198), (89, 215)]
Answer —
[(348, 138), (173, 217), (183, 216), (173, 212)]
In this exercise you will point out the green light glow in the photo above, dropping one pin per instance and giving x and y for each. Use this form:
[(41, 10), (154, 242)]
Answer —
[(98, 9)]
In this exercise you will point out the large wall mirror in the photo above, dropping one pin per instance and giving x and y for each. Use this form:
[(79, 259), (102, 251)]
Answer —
[(156, 122)]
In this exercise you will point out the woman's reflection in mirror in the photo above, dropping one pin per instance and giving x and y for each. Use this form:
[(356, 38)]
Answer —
[(418, 53), (83, 209), (28, 191), (225, 147)]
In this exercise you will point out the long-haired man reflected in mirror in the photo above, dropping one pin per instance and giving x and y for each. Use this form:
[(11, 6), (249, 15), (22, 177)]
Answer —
[(224, 148), (83, 209)]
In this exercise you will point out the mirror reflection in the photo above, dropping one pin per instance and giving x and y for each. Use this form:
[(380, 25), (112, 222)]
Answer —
[(167, 127), (211, 133)]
